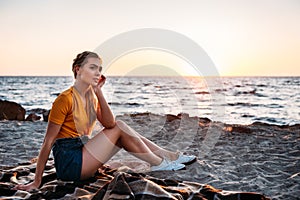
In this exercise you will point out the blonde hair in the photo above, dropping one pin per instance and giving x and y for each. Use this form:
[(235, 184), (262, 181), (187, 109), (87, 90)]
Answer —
[(81, 59)]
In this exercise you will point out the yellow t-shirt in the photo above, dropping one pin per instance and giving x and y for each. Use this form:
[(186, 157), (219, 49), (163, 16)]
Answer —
[(62, 114)]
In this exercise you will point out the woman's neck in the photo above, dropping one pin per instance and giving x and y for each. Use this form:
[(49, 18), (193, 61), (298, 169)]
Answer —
[(81, 87)]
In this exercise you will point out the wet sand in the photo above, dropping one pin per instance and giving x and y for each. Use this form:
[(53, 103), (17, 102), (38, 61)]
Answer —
[(258, 158)]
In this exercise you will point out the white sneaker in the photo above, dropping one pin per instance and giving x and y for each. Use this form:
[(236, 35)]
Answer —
[(184, 159), (167, 165)]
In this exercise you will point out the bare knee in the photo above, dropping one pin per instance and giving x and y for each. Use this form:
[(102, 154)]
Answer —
[(123, 126), (120, 123), (126, 130), (116, 129)]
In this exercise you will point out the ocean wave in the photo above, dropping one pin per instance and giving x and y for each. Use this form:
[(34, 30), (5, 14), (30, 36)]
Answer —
[(245, 99), (242, 104), (131, 104)]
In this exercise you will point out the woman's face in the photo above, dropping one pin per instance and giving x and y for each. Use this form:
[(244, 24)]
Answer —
[(90, 72)]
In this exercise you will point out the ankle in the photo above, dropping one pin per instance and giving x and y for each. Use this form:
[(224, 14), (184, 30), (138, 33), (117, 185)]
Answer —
[(157, 162), (173, 156), (169, 155)]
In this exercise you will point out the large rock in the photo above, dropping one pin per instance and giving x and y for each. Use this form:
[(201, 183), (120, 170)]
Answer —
[(11, 111), (32, 117)]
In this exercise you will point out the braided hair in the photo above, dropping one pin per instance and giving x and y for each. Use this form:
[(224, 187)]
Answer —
[(81, 59)]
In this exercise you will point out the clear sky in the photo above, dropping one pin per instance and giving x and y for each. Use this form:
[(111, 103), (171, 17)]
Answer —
[(242, 37)]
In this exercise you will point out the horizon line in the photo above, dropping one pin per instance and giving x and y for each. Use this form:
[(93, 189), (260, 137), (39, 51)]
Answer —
[(212, 76)]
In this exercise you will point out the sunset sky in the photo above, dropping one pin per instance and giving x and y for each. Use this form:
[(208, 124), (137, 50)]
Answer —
[(243, 38)]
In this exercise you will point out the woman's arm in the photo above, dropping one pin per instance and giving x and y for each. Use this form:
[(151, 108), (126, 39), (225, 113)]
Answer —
[(104, 113), (49, 139)]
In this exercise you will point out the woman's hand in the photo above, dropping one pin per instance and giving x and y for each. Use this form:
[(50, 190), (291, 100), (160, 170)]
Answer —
[(100, 83), (102, 80), (104, 113), (28, 187)]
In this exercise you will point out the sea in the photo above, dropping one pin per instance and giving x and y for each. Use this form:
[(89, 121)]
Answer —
[(233, 100)]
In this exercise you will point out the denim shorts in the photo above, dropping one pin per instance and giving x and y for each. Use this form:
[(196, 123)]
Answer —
[(67, 154)]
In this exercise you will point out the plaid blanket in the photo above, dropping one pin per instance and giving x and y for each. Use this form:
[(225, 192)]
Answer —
[(112, 184), (139, 186)]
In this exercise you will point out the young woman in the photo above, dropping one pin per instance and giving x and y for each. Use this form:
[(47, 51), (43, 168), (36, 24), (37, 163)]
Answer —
[(72, 118)]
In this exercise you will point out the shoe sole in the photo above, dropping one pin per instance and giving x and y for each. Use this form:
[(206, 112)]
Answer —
[(184, 168), (173, 170), (190, 162)]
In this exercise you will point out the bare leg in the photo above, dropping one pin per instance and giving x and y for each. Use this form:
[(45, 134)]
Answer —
[(104, 145), (157, 150)]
